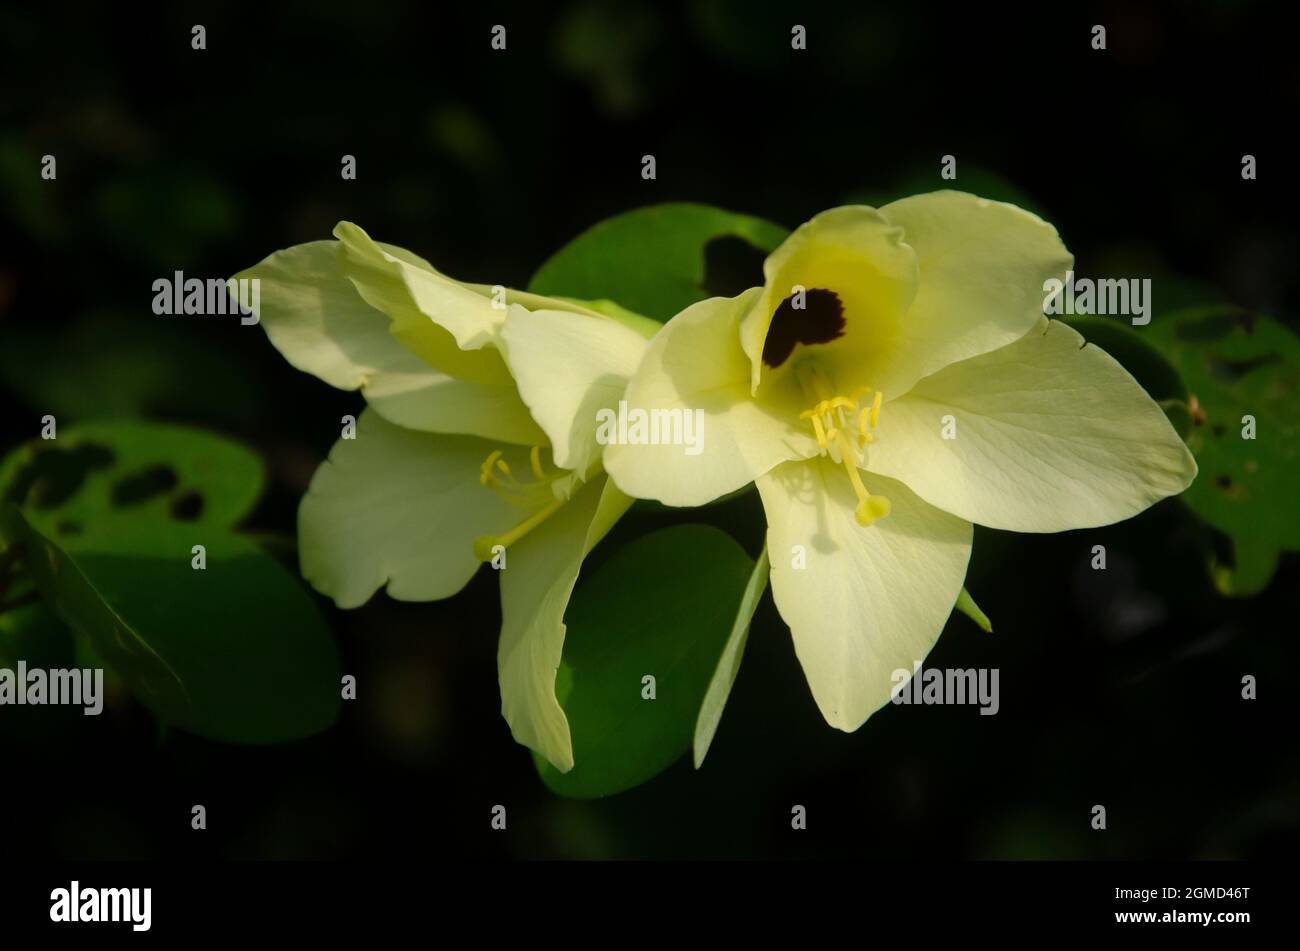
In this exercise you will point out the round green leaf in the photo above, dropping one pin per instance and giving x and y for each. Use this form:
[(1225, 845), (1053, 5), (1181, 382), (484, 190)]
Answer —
[(109, 515), (650, 260), (33, 634), (664, 606), (106, 478), (235, 651)]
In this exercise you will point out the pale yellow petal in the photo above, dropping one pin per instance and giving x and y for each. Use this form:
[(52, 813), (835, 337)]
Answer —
[(861, 603), (983, 265), (1047, 434), (696, 366), (860, 257), (448, 325), (536, 584), (568, 368)]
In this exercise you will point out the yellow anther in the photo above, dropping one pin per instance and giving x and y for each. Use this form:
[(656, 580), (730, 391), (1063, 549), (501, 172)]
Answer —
[(875, 409), (862, 424), (535, 457), (501, 464), (870, 509), (817, 425)]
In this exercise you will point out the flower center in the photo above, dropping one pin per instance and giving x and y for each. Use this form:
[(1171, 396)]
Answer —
[(549, 490), (843, 426)]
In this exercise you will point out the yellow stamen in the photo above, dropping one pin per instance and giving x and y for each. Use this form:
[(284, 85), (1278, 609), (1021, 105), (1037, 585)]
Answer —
[(535, 457), (817, 426), (834, 440), (485, 476), (484, 545), (870, 507)]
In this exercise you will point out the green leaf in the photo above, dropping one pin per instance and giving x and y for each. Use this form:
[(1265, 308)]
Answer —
[(1237, 364), (665, 606), (1251, 569), (236, 652), (650, 260), (724, 675), (109, 514), (108, 477), (33, 634)]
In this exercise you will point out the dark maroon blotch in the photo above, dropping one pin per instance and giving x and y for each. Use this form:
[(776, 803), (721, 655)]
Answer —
[(820, 321)]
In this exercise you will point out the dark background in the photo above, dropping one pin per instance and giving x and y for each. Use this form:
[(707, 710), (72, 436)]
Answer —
[(1119, 688)]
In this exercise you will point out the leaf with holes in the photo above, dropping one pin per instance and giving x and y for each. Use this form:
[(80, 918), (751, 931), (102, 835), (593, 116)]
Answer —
[(661, 259), (1237, 365), (622, 630), (108, 516), (110, 477), (236, 651)]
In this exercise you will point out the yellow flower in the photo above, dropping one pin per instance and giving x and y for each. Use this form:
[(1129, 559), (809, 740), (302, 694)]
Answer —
[(893, 382), (478, 444)]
